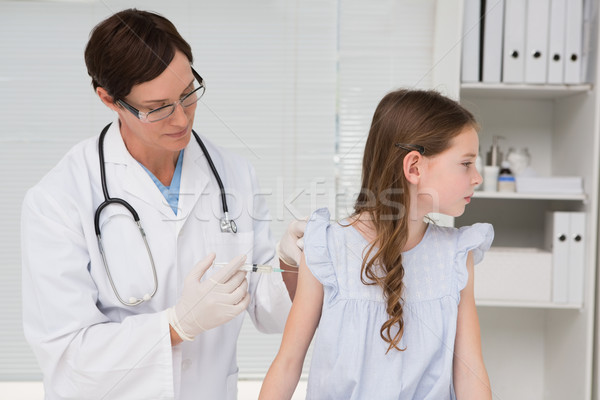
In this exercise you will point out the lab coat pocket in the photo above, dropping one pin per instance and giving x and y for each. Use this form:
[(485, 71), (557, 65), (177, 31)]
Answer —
[(232, 386), (126, 254), (226, 246)]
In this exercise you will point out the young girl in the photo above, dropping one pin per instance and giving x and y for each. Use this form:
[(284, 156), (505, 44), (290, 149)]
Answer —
[(393, 295)]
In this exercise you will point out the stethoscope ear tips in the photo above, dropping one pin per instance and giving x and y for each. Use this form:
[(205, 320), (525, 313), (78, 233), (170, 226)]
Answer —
[(134, 301)]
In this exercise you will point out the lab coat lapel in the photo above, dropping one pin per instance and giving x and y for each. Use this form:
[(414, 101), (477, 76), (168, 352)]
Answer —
[(136, 182), (139, 184), (195, 176)]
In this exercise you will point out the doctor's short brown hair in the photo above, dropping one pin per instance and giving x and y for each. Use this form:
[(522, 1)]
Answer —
[(129, 48)]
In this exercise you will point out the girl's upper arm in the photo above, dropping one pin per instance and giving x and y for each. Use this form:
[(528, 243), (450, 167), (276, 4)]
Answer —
[(470, 376), (304, 315), (467, 295), (284, 373), (468, 338)]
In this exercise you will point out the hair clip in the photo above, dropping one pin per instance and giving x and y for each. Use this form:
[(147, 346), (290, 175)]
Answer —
[(411, 147)]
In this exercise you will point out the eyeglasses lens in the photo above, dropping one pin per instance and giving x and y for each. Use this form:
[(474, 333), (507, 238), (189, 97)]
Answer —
[(186, 101)]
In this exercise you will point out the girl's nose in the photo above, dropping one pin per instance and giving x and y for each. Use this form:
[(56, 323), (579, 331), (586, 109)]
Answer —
[(477, 178)]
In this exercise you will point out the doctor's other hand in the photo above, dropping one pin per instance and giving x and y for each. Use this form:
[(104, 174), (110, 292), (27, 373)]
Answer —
[(211, 302), (289, 248)]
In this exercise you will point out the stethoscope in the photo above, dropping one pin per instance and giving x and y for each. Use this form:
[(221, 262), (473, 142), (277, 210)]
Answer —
[(227, 224)]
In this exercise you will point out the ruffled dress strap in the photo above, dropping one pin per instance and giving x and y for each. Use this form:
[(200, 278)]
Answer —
[(477, 239), (316, 249)]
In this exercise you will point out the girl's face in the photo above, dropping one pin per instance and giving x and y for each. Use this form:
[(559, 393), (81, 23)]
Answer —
[(172, 133), (448, 179)]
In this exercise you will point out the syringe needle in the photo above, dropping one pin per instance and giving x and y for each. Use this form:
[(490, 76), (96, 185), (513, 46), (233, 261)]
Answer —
[(264, 268)]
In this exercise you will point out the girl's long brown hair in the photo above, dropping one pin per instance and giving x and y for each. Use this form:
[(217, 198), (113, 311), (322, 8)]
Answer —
[(414, 117)]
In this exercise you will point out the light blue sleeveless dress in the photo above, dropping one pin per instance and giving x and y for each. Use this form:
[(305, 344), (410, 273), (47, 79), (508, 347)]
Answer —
[(349, 359)]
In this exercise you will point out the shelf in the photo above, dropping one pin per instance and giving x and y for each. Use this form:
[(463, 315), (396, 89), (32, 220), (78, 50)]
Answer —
[(527, 304), (529, 196), (520, 91)]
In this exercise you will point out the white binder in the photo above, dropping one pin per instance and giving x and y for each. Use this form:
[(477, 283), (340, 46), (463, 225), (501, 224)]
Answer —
[(557, 239), (514, 41), (573, 40), (536, 43), (492, 41), (556, 41), (470, 41), (576, 257), (565, 237)]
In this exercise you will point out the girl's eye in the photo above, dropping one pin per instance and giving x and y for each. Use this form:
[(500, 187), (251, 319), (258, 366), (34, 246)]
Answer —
[(467, 164)]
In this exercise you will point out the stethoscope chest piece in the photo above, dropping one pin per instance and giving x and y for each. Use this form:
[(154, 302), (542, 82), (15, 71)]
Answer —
[(228, 225)]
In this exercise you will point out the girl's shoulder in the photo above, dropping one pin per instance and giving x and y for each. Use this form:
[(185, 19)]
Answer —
[(438, 265), (476, 238), (321, 224), (331, 247), (318, 250), (317, 225)]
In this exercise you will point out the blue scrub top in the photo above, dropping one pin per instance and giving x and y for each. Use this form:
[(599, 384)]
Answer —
[(171, 192)]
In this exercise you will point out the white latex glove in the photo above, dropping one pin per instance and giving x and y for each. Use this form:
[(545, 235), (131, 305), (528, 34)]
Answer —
[(212, 302), (291, 245)]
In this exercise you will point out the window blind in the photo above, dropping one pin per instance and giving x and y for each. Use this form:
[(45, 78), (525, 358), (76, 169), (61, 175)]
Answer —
[(270, 73), (291, 86), (46, 106), (383, 45)]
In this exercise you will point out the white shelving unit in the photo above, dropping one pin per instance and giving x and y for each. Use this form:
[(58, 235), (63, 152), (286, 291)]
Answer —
[(530, 196), (537, 349), (522, 91), (545, 349), (527, 304)]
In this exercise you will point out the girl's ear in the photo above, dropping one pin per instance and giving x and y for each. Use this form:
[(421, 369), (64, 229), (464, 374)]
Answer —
[(412, 166), (106, 98)]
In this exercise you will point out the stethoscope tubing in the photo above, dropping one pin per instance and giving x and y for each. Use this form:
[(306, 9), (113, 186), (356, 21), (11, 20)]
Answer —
[(107, 199), (214, 171), (227, 225)]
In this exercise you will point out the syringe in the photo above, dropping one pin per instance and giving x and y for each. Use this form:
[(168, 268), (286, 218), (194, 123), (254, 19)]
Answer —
[(264, 268)]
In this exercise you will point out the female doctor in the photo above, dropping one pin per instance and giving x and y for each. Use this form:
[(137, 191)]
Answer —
[(117, 310)]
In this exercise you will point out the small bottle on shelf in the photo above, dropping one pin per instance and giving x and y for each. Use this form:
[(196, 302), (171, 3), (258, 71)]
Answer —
[(506, 179), (494, 156)]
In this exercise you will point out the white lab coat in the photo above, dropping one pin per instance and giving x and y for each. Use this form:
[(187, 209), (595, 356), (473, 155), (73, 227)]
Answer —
[(89, 345)]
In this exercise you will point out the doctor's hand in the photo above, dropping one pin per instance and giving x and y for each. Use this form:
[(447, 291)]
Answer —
[(212, 302), (289, 248)]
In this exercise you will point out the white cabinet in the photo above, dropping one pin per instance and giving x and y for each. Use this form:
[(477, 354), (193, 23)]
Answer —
[(534, 347)]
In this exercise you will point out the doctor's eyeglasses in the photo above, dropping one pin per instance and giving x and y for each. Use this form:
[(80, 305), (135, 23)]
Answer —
[(165, 111)]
